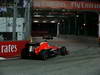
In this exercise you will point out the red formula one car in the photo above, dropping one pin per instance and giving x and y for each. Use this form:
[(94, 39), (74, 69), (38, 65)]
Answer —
[(42, 50)]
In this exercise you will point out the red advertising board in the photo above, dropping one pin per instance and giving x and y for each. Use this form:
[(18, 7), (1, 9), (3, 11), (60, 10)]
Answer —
[(10, 49), (58, 4)]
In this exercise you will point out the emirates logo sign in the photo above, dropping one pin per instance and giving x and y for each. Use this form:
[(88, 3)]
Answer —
[(8, 48)]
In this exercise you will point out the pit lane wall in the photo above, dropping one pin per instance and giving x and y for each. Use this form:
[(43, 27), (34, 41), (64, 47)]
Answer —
[(11, 49)]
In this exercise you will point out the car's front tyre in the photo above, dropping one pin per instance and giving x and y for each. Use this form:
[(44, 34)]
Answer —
[(63, 51), (44, 54)]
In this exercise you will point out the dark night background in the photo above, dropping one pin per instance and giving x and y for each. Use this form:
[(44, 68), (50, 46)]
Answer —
[(63, 0)]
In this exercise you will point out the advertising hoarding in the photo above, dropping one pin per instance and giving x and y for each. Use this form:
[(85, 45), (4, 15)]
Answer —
[(79, 5), (10, 49)]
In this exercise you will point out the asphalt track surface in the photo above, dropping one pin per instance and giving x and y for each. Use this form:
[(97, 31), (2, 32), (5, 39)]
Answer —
[(84, 59)]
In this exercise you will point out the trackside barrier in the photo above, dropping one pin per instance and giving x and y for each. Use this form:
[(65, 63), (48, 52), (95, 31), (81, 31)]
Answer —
[(11, 49), (99, 40)]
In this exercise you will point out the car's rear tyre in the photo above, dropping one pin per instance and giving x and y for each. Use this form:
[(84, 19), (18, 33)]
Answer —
[(44, 54), (24, 54), (63, 51)]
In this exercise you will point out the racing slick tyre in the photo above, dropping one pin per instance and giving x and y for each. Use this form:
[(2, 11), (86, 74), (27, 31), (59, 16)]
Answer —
[(44, 54), (24, 54), (63, 51)]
